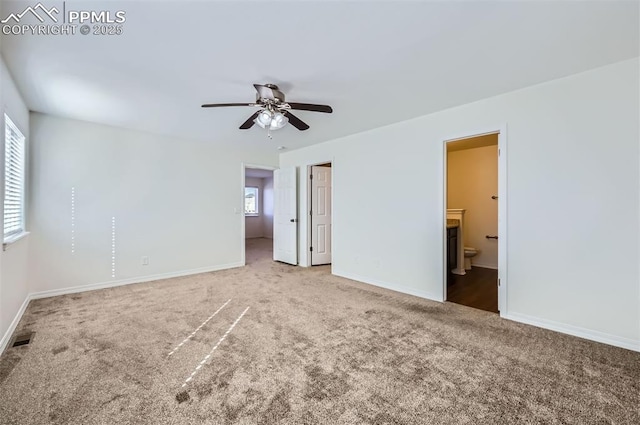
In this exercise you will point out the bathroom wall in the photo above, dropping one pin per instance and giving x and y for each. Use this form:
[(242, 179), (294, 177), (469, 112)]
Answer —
[(472, 178)]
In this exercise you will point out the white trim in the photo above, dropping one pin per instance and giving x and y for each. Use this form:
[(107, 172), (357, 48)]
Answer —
[(501, 130), (243, 224), (103, 285), (19, 169), (484, 266), (602, 337), (386, 285), (259, 167), (576, 331), (12, 327), (13, 239), (132, 280), (502, 220), (304, 256), (309, 259), (485, 131)]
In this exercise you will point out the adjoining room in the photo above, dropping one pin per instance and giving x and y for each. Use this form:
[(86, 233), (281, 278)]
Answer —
[(472, 222), (258, 213)]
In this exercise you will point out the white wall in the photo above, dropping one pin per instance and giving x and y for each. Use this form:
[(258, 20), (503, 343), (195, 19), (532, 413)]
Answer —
[(254, 224), (178, 202), (14, 285), (573, 195), (472, 178)]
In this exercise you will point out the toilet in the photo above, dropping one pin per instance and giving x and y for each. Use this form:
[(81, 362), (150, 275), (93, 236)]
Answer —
[(469, 253)]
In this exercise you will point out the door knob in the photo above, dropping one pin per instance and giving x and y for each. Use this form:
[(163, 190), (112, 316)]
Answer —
[(293, 220), (491, 237)]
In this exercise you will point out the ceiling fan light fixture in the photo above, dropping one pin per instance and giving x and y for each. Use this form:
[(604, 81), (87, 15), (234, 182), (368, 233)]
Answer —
[(278, 121), (271, 120), (274, 113), (265, 118)]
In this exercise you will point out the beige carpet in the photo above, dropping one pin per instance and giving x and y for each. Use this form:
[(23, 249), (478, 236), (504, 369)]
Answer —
[(311, 349)]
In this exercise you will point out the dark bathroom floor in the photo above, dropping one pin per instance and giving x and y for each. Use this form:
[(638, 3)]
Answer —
[(477, 289)]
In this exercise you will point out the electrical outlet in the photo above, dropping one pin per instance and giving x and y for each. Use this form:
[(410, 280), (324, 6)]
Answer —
[(145, 261)]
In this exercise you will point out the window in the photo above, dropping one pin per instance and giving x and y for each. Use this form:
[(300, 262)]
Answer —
[(14, 165), (251, 201)]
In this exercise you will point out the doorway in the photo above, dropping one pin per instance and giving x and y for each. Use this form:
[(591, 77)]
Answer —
[(257, 211), (474, 251), (320, 213)]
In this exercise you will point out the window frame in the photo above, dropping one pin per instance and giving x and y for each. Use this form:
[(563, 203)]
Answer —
[(11, 128), (257, 192)]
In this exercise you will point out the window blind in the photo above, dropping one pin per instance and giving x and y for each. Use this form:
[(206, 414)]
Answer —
[(13, 179)]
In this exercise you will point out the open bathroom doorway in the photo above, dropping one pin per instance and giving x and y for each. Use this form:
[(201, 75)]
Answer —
[(474, 221)]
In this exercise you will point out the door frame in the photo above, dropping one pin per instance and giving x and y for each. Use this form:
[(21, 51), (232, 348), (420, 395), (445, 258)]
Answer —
[(501, 130), (304, 187), (243, 170), (309, 203)]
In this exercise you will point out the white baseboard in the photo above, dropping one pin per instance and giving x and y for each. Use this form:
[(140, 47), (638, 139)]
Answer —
[(12, 327), (138, 279), (589, 334), (602, 337), (386, 285), (102, 285), (484, 266)]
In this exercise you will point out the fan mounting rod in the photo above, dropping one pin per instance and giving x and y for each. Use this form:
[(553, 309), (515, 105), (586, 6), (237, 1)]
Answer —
[(269, 92)]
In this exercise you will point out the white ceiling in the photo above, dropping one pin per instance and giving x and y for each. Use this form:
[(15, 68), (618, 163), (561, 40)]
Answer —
[(375, 62)]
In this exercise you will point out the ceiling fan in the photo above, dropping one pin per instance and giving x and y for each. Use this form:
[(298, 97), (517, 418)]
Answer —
[(274, 112)]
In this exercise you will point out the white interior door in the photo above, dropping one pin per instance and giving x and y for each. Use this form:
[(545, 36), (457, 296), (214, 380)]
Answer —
[(285, 214), (320, 215)]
